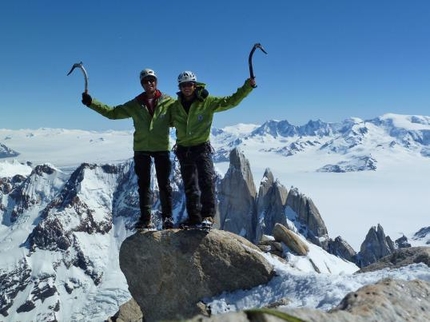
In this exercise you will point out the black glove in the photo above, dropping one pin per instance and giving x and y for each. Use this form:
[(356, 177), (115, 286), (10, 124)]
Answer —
[(201, 93), (204, 93), (86, 99)]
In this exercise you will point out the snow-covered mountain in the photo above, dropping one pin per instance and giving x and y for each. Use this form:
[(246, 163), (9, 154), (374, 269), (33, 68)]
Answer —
[(351, 140), (359, 172), (68, 200)]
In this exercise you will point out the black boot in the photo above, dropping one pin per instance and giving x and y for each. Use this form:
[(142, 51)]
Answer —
[(168, 223)]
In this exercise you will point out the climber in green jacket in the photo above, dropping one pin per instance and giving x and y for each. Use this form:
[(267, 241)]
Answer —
[(192, 116), (151, 116)]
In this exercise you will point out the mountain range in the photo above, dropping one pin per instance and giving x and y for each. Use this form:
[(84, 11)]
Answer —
[(68, 199)]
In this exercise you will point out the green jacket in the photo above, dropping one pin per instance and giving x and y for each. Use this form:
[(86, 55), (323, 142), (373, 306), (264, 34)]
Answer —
[(193, 128), (151, 132)]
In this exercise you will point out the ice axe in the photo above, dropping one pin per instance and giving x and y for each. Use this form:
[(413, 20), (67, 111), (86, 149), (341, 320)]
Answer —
[(251, 69), (81, 67)]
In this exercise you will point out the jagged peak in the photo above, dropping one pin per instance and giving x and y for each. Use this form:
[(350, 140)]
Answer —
[(238, 161), (317, 128), (6, 152), (268, 175), (276, 128)]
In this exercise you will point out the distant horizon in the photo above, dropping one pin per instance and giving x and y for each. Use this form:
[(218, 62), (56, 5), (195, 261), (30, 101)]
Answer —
[(131, 128)]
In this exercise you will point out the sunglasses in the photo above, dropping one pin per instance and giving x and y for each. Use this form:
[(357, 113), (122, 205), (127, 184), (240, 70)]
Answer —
[(148, 80), (187, 84)]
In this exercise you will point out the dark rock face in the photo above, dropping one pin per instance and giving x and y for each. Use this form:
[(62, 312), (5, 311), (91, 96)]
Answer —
[(270, 202), (402, 242), (342, 249), (12, 283), (375, 246), (170, 272), (306, 217), (237, 195), (41, 291), (248, 214)]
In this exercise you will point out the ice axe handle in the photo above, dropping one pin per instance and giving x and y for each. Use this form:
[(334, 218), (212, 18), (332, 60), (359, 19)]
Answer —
[(81, 67), (251, 69)]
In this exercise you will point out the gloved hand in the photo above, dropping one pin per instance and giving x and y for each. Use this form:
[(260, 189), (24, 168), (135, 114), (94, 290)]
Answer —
[(86, 99), (202, 93)]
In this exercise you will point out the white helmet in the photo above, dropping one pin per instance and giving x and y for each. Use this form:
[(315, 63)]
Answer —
[(147, 72), (186, 76)]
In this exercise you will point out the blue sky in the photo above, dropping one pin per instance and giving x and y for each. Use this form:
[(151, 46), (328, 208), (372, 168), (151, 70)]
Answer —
[(326, 60)]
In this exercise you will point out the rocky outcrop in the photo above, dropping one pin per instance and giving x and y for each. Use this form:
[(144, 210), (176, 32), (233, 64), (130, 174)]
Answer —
[(268, 244), (375, 246), (270, 204), (171, 272), (340, 247), (291, 240), (388, 300), (237, 195), (402, 242), (128, 312), (303, 212), (399, 258), (251, 215)]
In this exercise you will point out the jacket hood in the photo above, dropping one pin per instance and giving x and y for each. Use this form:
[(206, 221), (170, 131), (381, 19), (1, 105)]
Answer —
[(141, 98), (200, 93)]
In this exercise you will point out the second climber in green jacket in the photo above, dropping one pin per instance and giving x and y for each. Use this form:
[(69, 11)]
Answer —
[(192, 116), (151, 116)]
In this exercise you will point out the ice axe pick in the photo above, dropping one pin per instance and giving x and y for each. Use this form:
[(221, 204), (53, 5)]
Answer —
[(81, 67), (251, 69)]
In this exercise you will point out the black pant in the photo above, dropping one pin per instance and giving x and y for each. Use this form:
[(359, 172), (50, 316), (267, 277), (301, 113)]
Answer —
[(163, 168), (198, 175)]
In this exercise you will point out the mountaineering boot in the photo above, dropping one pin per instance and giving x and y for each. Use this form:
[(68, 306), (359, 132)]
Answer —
[(194, 221), (191, 224), (207, 223), (168, 223), (144, 225)]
